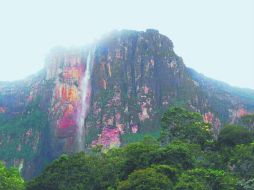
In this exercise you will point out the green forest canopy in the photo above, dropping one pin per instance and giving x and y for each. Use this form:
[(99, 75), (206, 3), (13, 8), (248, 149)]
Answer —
[(185, 157)]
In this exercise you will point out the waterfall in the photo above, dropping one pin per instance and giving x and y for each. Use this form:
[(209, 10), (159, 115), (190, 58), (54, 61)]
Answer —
[(85, 101)]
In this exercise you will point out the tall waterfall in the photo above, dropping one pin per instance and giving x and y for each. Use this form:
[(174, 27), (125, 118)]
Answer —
[(85, 101)]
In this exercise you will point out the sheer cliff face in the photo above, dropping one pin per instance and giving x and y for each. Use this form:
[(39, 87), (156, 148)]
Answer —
[(135, 76)]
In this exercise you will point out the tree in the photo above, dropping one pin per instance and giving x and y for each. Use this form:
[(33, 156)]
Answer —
[(148, 179), (10, 179), (180, 154), (189, 161), (180, 124), (246, 184), (138, 155), (170, 171), (233, 135), (79, 171), (247, 121), (242, 161), (206, 179)]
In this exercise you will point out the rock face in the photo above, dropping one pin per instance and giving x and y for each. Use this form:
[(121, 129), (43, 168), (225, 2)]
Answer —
[(135, 77)]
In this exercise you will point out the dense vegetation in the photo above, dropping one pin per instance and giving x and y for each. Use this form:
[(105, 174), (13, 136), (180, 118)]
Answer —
[(185, 157), (15, 131), (10, 179)]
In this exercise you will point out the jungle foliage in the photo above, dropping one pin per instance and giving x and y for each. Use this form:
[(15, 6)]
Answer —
[(186, 156)]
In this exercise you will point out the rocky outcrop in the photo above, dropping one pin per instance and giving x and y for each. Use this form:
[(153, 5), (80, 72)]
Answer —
[(135, 77)]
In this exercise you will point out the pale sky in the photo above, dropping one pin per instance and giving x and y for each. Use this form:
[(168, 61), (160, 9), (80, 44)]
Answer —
[(215, 37)]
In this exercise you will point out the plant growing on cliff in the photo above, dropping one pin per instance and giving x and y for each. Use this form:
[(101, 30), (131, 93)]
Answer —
[(10, 179), (188, 161), (247, 121)]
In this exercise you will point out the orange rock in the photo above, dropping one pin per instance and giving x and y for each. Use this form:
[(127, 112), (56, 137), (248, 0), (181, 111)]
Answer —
[(2, 110), (72, 73), (110, 121), (58, 90), (144, 114), (134, 128), (104, 84), (109, 138), (69, 110), (68, 93), (118, 116), (72, 94), (102, 66), (120, 127), (64, 93), (241, 112), (146, 89), (208, 117), (30, 97)]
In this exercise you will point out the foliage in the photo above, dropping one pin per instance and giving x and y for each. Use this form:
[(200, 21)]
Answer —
[(206, 179), (180, 124), (232, 135), (190, 159), (247, 121), (138, 155), (15, 129), (76, 172), (20, 128), (245, 184), (105, 170), (148, 179), (92, 134), (10, 179), (242, 161), (135, 137), (180, 154), (170, 171)]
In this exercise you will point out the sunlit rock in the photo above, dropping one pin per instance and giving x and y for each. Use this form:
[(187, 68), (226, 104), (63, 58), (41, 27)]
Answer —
[(133, 78)]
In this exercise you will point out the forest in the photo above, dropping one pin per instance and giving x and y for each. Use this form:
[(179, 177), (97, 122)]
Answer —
[(186, 156)]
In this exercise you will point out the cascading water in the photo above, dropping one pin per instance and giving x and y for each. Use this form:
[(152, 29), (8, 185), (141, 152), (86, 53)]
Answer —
[(85, 101)]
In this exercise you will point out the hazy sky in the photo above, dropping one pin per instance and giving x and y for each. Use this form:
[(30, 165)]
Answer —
[(215, 37)]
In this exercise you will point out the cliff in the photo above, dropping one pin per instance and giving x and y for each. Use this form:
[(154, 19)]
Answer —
[(105, 94)]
